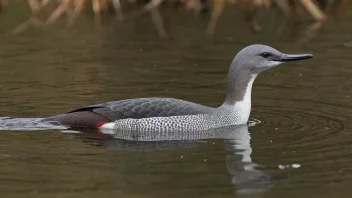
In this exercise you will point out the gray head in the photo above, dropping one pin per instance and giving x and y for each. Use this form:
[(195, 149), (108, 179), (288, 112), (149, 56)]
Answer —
[(257, 58), (248, 63)]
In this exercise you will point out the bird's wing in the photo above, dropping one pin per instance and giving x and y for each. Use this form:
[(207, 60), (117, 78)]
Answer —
[(146, 108)]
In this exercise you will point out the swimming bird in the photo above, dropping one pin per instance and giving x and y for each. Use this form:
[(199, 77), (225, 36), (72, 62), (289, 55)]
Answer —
[(168, 114)]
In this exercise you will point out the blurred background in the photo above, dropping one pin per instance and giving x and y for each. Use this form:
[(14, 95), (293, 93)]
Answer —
[(58, 55)]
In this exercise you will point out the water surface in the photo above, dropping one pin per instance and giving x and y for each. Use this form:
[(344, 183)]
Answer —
[(305, 109)]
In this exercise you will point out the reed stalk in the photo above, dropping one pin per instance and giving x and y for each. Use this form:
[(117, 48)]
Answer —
[(317, 9)]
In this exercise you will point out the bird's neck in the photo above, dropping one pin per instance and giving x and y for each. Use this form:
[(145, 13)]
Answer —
[(238, 96), (239, 88)]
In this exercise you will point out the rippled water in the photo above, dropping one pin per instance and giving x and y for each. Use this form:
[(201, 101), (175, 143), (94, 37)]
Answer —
[(302, 147)]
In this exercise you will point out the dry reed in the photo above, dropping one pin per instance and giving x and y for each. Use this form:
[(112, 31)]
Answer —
[(317, 9)]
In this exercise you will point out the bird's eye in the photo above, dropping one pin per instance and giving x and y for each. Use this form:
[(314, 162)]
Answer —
[(265, 54)]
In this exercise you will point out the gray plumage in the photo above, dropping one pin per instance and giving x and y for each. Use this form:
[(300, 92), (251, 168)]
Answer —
[(146, 108), (168, 114)]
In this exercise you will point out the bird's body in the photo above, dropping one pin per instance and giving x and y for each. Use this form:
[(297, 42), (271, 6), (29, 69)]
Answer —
[(174, 114), (153, 114), (137, 108)]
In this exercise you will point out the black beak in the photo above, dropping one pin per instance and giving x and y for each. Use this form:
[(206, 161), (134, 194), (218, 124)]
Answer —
[(293, 57)]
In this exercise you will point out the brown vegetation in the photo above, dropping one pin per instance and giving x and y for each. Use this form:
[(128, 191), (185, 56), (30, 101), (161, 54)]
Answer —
[(317, 9)]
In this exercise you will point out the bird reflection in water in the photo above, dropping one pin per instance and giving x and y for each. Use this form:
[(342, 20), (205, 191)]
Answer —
[(247, 179)]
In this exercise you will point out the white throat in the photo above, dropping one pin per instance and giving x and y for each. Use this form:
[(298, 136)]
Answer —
[(242, 109)]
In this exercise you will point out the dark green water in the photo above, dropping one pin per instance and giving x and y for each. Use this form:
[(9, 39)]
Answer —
[(305, 108)]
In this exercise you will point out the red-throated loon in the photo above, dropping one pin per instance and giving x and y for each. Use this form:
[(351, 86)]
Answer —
[(175, 114)]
